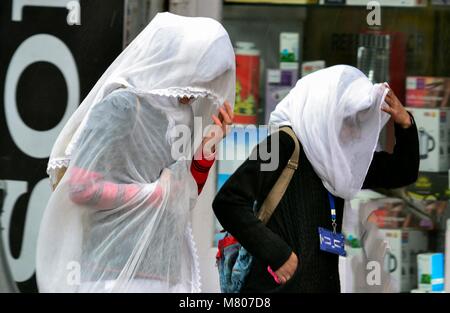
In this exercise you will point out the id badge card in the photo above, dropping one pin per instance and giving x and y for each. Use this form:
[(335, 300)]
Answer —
[(332, 242)]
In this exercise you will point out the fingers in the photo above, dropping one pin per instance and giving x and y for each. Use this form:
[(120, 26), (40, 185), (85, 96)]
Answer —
[(285, 272), (216, 120), (225, 116), (283, 277), (387, 109), (226, 113), (229, 109)]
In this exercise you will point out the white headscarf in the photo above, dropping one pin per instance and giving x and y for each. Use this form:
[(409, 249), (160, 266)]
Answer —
[(336, 114), (120, 141)]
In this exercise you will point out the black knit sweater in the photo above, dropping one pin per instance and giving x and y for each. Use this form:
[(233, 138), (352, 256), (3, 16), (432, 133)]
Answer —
[(294, 225)]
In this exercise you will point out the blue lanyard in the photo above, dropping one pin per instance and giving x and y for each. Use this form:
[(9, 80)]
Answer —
[(333, 211)]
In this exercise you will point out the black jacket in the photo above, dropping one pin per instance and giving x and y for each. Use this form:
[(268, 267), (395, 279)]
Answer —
[(303, 208)]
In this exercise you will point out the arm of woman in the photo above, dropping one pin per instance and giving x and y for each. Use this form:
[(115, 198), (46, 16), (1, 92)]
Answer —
[(200, 167), (234, 204), (89, 188), (400, 168), (204, 157)]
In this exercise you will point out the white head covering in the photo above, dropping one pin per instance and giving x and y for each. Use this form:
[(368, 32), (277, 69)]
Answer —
[(120, 141), (336, 114)]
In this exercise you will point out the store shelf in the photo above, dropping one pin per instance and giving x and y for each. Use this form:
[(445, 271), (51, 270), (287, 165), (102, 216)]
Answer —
[(287, 3)]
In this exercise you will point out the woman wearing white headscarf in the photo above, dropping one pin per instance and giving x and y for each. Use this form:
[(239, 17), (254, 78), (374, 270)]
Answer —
[(336, 114), (119, 218)]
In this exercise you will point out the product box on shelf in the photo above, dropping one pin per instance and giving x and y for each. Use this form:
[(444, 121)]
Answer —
[(427, 92), (447, 257), (430, 275), (383, 3), (418, 291), (439, 212), (274, 1), (278, 84), (401, 259), (289, 50), (440, 2), (433, 127), (430, 186), (389, 213), (312, 66), (393, 213), (247, 83)]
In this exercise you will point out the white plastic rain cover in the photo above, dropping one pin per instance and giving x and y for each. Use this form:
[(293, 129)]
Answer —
[(336, 114), (119, 219)]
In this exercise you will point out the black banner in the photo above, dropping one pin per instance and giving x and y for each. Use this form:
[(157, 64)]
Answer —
[(51, 54)]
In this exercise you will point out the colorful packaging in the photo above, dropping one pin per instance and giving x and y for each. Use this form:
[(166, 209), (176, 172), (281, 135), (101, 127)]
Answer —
[(312, 66), (427, 92), (401, 261), (430, 271), (389, 213), (247, 83), (440, 2), (434, 127), (274, 1), (383, 3), (289, 51), (430, 186), (278, 85), (447, 257)]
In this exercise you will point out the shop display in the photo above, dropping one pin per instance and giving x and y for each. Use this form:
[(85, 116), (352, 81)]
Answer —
[(440, 2), (434, 127), (401, 260), (418, 291), (289, 51), (447, 257), (381, 56), (427, 92), (430, 186), (430, 271), (278, 84), (385, 3), (312, 66), (234, 149), (390, 213), (274, 1), (247, 83), (439, 212)]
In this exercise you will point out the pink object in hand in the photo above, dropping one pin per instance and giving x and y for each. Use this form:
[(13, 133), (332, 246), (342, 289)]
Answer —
[(273, 275)]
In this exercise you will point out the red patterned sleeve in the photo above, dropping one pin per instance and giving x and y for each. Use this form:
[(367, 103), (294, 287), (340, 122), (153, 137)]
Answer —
[(200, 167)]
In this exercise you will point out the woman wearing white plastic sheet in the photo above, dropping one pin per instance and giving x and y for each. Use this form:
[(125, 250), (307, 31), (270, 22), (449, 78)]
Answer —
[(119, 218), (336, 114)]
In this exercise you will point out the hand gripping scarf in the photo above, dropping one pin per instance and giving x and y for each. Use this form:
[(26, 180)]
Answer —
[(336, 114)]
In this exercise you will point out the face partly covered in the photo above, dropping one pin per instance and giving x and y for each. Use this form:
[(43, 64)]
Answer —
[(186, 100)]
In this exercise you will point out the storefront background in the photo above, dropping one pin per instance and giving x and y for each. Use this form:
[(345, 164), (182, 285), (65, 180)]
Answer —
[(48, 66)]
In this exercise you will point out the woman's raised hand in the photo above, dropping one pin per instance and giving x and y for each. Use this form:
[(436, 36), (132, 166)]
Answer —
[(396, 109), (220, 128), (225, 118)]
